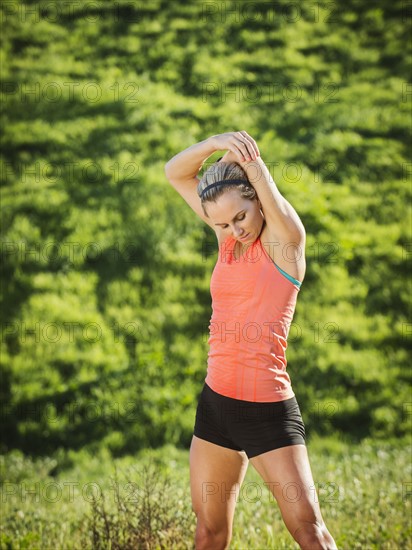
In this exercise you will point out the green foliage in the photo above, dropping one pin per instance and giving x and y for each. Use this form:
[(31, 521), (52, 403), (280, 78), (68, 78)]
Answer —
[(152, 513), (105, 270), (143, 500)]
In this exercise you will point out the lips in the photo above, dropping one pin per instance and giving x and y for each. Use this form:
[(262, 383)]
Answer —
[(244, 238)]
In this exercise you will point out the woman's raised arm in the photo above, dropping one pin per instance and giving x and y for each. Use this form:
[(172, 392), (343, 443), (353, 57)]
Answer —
[(282, 219), (280, 216), (185, 166), (182, 169)]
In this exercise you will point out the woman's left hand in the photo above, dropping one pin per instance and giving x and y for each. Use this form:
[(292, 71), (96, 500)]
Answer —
[(241, 144)]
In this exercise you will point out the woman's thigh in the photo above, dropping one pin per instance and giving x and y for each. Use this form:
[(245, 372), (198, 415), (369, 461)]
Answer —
[(287, 474), (216, 475)]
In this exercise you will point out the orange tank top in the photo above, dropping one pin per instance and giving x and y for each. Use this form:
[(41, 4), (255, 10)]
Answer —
[(253, 303)]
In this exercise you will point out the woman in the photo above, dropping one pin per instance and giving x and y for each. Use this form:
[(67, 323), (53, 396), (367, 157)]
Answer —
[(247, 410)]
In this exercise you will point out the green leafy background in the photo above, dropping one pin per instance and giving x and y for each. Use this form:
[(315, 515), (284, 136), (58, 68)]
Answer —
[(105, 270)]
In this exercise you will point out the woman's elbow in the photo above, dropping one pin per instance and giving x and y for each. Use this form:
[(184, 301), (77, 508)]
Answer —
[(301, 233), (168, 170)]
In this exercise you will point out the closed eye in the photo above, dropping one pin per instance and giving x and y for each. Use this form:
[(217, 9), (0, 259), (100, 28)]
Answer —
[(239, 219)]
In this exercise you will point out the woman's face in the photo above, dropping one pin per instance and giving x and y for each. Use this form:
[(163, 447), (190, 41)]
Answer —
[(239, 217)]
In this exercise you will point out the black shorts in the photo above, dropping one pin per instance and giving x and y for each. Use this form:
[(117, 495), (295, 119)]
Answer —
[(255, 428)]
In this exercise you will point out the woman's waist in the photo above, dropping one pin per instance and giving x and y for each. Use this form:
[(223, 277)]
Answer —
[(249, 384), (251, 331), (245, 405)]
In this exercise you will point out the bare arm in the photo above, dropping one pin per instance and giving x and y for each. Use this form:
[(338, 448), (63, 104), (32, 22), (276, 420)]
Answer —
[(182, 169), (282, 219), (185, 166), (280, 215)]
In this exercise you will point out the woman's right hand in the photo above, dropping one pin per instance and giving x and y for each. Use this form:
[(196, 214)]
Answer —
[(239, 143)]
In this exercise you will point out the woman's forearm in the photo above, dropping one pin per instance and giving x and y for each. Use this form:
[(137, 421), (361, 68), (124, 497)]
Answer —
[(187, 164)]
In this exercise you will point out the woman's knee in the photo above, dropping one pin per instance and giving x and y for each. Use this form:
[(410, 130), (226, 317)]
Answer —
[(212, 537), (314, 536)]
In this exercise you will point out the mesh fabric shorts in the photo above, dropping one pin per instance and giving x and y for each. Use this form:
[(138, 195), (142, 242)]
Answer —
[(255, 428)]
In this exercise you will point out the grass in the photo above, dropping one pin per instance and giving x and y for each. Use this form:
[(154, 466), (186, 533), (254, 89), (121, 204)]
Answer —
[(76, 500)]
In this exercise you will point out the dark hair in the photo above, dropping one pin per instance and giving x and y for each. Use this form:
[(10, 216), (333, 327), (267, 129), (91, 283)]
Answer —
[(221, 171)]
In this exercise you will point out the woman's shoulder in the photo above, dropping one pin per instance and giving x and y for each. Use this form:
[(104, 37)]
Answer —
[(289, 256)]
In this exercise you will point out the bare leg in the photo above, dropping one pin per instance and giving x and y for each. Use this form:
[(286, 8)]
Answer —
[(216, 474), (288, 475)]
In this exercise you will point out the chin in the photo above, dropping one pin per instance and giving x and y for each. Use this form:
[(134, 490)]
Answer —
[(250, 239)]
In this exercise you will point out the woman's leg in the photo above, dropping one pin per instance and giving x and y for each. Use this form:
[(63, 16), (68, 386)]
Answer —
[(216, 474), (287, 473)]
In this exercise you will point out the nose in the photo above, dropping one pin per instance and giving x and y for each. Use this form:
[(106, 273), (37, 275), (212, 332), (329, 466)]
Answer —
[(237, 231)]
